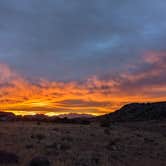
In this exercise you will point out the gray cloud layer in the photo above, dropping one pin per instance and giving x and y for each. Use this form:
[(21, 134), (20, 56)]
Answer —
[(63, 40)]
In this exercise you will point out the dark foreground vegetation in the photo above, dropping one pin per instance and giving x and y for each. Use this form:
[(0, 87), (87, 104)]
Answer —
[(120, 144), (103, 141)]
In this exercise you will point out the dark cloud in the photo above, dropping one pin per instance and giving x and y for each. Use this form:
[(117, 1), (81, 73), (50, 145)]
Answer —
[(148, 76), (143, 81), (66, 40), (82, 103)]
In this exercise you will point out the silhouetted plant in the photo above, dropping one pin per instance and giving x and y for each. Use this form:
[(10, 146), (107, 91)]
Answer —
[(39, 161), (39, 137), (105, 123), (64, 146), (30, 146), (8, 158), (107, 131), (113, 144)]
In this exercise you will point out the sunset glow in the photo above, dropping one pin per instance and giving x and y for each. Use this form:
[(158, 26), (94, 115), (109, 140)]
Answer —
[(82, 82), (93, 96), (59, 57)]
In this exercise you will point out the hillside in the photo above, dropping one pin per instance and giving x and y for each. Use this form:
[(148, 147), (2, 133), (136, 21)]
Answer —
[(139, 112)]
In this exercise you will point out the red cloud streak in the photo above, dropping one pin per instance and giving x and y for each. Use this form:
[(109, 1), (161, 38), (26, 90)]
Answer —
[(146, 82)]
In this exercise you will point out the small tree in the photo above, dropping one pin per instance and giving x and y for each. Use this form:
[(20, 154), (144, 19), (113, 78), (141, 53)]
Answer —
[(105, 123)]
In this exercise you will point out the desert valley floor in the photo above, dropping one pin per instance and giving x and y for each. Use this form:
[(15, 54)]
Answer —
[(122, 144)]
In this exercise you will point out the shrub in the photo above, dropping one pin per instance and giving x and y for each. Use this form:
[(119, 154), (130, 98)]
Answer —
[(105, 123), (107, 131), (39, 137), (8, 158), (113, 144), (39, 161), (64, 146)]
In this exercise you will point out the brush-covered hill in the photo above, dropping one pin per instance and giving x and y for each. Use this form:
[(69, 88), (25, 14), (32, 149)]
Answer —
[(5, 116), (139, 112)]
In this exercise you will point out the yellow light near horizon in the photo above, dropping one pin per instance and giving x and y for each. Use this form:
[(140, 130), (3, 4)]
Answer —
[(56, 114), (21, 112), (93, 96), (40, 104)]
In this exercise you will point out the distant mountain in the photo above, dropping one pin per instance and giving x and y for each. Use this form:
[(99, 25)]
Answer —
[(139, 112), (68, 116), (5, 116), (75, 115), (129, 112), (64, 118), (37, 117)]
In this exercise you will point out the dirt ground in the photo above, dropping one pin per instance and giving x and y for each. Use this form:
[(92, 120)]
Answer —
[(123, 144)]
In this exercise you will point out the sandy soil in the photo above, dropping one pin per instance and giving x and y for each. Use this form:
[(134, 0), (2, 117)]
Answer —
[(125, 144)]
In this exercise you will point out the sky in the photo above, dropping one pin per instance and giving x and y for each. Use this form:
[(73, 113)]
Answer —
[(60, 56)]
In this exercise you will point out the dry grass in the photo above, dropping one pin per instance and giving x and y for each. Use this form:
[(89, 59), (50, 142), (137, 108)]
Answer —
[(123, 144)]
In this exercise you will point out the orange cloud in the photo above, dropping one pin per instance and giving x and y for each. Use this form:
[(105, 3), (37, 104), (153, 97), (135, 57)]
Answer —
[(94, 96)]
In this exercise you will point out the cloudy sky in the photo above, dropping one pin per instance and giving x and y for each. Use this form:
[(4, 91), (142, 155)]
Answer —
[(101, 54)]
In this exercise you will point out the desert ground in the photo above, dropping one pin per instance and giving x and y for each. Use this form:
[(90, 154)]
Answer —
[(121, 144)]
